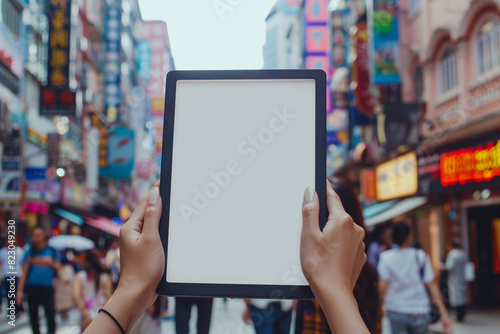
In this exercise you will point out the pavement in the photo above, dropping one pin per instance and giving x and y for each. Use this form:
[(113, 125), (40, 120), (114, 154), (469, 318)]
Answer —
[(226, 319)]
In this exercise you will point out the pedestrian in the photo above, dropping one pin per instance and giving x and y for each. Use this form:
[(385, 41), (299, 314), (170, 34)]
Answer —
[(92, 287), (112, 261), (150, 320), (457, 285), (310, 317), (406, 281), (183, 306), (40, 263), (11, 274), (332, 280), (381, 242), (269, 316), (63, 285)]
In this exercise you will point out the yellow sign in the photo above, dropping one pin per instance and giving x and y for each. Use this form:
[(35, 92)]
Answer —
[(397, 177)]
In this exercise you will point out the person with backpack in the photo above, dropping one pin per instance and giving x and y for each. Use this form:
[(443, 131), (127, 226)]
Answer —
[(40, 263), (407, 286)]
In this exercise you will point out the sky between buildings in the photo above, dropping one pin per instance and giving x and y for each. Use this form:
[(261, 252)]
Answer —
[(212, 34)]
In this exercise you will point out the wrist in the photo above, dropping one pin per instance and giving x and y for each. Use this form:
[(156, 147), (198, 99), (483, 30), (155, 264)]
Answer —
[(127, 304)]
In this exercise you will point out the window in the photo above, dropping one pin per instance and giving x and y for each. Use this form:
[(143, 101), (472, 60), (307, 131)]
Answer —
[(487, 47), (11, 15), (447, 71), (413, 7)]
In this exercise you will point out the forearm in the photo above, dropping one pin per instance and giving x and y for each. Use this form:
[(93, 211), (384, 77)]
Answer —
[(341, 310), (435, 296), (125, 305)]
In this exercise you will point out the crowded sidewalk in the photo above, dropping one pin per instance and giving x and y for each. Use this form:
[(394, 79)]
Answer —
[(226, 319)]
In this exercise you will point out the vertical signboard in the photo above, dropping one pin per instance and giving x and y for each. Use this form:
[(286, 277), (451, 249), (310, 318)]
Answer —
[(112, 67), (56, 98), (59, 15), (385, 62), (317, 38)]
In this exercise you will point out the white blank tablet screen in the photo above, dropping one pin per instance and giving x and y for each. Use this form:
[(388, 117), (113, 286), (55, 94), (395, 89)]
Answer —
[(243, 154)]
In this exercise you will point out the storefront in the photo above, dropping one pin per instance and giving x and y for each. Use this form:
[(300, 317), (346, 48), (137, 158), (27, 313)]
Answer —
[(470, 180)]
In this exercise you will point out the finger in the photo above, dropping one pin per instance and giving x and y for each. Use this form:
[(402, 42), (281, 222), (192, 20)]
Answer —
[(310, 212), (136, 219), (153, 214), (333, 202)]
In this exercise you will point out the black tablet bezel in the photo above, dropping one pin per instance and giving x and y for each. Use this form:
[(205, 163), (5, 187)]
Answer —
[(238, 290)]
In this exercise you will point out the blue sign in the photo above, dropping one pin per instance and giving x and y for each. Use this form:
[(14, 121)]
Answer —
[(121, 151), (112, 67), (144, 59)]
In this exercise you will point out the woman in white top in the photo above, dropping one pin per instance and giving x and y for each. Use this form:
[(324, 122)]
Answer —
[(405, 276)]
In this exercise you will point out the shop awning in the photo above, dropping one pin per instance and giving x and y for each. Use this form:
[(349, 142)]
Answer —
[(397, 209), (70, 216), (104, 224)]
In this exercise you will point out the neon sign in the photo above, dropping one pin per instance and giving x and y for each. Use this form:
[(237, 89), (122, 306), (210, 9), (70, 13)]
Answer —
[(478, 164)]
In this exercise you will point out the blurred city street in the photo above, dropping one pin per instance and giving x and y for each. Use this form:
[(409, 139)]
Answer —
[(395, 102), (226, 319)]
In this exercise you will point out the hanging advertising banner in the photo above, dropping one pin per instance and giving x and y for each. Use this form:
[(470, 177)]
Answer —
[(52, 149), (59, 16), (56, 101), (155, 34), (360, 70), (144, 60), (317, 39), (368, 184), (121, 152), (10, 55), (385, 62), (340, 40), (112, 67)]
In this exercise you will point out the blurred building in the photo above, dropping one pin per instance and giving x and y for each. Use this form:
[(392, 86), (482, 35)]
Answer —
[(284, 46), (11, 109), (414, 114), (76, 132)]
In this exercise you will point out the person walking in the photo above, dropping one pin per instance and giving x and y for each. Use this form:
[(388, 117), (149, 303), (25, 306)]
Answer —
[(112, 261), (310, 317), (39, 264), (406, 280), (183, 306), (92, 287), (381, 242), (457, 285), (6, 256), (269, 316)]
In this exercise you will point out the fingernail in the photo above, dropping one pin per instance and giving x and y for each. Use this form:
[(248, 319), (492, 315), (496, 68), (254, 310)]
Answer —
[(153, 196), (309, 195)]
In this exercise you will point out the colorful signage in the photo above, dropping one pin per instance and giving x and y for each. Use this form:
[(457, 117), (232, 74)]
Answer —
[(478, 164), (10, 55), (112, 68), (368, 184), (361, 72), (59, 15), (144, 59), (385, 47), (317, 38), (57, 101), (291, 7), (121, 151), (155, 34), (397, 177), (339, 39)]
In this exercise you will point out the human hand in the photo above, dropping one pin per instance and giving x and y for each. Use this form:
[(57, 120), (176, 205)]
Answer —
[(447, 324), (19, 297), (334, 256), (246, 315), (142, 259)]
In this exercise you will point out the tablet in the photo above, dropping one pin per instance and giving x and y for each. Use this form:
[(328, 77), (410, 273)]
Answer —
[(239, 150)]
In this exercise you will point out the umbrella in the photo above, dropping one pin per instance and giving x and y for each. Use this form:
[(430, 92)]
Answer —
[(76, 242)]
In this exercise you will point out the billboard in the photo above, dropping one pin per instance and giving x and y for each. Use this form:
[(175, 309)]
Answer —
[(385, 51), (397, 177), (112, 66), (59, 16)]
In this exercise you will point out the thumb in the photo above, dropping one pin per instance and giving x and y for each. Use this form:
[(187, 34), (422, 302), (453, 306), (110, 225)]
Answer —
[(153, 214), (310, 212)]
